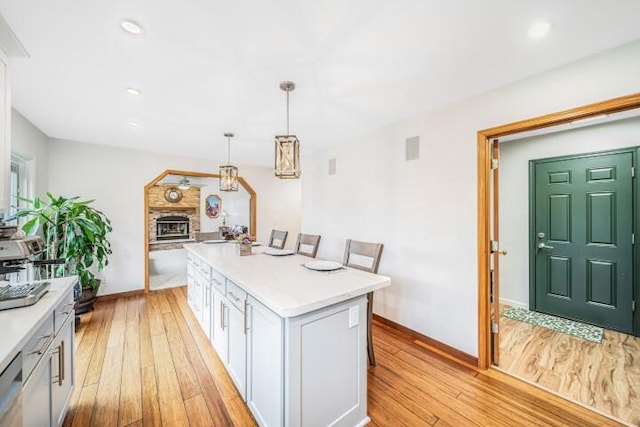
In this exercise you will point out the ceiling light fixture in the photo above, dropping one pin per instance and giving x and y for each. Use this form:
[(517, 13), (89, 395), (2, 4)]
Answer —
[(184, 183), (134, 124), (287, 146), (539, 29), (133, 91), (131, 27), (228, 173)]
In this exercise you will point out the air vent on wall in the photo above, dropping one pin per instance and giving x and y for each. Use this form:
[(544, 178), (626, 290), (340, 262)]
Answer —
[(412, 148), (332, 166)]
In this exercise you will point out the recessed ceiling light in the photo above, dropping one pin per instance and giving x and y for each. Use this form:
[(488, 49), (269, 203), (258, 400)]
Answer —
[(134, 124), (539, 29), (133, 91), (131, 27)]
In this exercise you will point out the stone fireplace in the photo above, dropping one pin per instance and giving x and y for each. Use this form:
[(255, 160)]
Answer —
[(173, 227), (172, 222), (169, 229)]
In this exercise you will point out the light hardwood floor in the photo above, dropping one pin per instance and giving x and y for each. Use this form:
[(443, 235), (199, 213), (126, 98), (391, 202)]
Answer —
[(143, 360), (604, 376)]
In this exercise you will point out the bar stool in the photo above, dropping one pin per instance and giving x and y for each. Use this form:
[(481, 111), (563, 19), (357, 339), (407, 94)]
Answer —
[(373, 251), (310, 243), (278, 239)]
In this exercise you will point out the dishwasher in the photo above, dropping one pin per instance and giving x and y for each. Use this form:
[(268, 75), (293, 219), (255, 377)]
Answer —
[(11, 394)]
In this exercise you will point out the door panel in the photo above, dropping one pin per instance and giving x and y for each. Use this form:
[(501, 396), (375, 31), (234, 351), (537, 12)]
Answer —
[(583, 219)]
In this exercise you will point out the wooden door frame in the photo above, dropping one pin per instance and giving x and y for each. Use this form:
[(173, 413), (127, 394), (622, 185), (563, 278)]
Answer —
[(484, 138), (241, 180)]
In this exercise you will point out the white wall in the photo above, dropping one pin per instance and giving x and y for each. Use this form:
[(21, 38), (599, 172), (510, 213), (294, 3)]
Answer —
[(116, 177), (235, 203), (28, 142), (514, 191), (424, 211)]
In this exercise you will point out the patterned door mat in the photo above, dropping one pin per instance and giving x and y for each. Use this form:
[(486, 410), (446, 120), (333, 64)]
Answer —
[(566, 326)]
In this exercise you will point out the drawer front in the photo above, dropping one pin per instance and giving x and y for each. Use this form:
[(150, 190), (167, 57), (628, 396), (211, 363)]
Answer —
[(219, 281), (36, 347), (63, 311), (205, 270), (196, 262), (236, 295)]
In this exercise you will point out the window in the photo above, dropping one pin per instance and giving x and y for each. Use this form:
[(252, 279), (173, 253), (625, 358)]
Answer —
[(18, 186), (19, 189)]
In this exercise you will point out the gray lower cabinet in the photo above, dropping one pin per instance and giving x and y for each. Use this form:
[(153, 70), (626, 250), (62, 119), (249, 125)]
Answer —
[(219, 337), (49, 366), (264, 364), (236, 364), (309, 370), (207, 310), (36, 395), (62, 371)]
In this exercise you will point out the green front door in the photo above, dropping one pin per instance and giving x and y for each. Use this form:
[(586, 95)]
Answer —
[(582, 239)]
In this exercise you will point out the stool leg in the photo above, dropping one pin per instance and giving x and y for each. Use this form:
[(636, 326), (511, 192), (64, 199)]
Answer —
[(372, 358)]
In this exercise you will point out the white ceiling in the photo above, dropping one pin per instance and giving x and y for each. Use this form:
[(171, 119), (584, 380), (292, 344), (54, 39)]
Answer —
[(207, 66)]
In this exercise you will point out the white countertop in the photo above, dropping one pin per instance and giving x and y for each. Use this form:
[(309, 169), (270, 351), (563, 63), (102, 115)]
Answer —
[(282, 283), (18, 324)]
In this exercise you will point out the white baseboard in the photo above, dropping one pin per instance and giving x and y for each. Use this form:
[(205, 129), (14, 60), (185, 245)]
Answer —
[(515, 304)]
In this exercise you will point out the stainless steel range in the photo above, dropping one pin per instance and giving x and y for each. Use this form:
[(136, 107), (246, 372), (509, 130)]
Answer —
[(174, 227)]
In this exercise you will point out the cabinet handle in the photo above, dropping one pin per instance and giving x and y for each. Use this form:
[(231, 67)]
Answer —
[(217, 282), (66, 310), (61, 364), (235, 298), (60, 352), (246, 314), (44, 345), (221, 315), (226, 310)]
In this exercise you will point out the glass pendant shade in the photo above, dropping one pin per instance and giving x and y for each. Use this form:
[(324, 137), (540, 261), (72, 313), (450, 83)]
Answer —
[(287, 157), (228, 178)]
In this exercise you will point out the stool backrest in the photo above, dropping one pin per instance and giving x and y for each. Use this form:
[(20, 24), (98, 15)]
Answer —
[(363, 255), (307, 244)]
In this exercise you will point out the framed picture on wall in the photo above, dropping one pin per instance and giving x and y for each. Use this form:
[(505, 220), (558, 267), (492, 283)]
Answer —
[(213, 206)]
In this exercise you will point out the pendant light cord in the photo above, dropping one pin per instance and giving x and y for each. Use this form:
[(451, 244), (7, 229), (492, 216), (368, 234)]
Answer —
[(287, 113), (228, 150)]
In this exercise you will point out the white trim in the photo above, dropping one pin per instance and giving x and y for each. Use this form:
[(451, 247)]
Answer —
[(512, 303)]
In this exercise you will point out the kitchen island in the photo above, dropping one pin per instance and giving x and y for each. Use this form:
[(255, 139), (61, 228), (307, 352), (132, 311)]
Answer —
[(293, 340)]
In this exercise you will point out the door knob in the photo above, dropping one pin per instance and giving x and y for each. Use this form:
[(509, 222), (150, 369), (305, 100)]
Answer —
[(541, 245), (503, 251)]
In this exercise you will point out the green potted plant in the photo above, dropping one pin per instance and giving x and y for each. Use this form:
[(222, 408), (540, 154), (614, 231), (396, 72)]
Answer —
[(76, 231)]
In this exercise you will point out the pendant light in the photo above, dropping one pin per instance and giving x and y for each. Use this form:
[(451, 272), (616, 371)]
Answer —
[(228, 172), (287, 146)]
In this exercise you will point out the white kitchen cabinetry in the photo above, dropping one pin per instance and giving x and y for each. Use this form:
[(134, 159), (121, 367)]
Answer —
[(62, 371), (264, 364), (207, 311), (218, 327), (36, 394), (48, 366), (237, 346), (292, 340)]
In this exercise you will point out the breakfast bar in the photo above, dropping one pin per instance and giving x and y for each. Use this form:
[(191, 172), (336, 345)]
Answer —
[(293, 339)]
